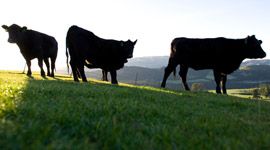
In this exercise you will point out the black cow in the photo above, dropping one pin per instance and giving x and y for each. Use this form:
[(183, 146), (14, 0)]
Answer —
[(87, 49), (220, 54), (32, 45)]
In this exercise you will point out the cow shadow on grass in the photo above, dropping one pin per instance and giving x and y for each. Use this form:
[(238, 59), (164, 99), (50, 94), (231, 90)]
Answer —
[(62, 77), (30, 76), (36, 76), (13, 72)]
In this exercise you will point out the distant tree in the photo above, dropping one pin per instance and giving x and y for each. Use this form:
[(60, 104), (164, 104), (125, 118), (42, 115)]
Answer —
[(197, 87), (264, 90)]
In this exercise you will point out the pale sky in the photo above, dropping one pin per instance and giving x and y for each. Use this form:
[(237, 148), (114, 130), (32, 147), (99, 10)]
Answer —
[(153, 22)]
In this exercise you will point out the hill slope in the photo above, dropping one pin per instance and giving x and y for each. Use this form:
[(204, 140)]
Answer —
[(149, 61), (162, 61), (245, 77), (57, 113), (149, 71)]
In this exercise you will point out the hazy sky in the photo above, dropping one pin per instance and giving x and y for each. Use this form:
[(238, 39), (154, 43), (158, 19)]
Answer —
[(153, 22)]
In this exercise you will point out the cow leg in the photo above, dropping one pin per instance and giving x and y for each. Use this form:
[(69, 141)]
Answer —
[(104, 75), (224, 80), (78, 73), (74, 70), (183, 74), (81, 71), (46, 60), (217, 76), (40, 64), (29, 72), (168, 70), (113, 77), (52, 66)]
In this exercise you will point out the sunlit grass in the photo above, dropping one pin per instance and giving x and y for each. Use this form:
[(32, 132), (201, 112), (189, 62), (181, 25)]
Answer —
[(57, 113), (11, 88), (245, 93)]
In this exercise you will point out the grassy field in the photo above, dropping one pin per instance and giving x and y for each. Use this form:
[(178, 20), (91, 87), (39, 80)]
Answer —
[(37, 113)]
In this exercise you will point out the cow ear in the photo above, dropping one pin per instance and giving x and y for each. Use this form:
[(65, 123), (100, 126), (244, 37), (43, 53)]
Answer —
[(260, 41), (246, 40), (122, 44), (24, 28), (135, 42), (5, 27)]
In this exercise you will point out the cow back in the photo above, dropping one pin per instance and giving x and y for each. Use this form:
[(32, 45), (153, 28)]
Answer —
[(217, 53)]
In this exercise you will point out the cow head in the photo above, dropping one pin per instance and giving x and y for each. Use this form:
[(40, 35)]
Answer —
[(254, 49), (128, 47), (14, 32)]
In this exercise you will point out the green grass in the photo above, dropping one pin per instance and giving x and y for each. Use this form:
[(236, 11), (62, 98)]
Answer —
[(37, 113)]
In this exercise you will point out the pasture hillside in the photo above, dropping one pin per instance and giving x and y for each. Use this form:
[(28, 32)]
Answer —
[(57, 113), (244, 77)]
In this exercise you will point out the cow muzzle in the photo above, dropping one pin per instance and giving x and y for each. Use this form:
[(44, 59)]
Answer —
[(11, 40), (260, 55), (263, 55)]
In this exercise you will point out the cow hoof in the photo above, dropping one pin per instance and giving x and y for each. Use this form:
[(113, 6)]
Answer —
[(104, 79), (162, 85), (42, 73), (29, 73), (51, 75), (116, 83)]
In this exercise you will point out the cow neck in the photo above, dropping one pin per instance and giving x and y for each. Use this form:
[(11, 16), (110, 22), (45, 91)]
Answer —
[(22, 46), (21, 42)]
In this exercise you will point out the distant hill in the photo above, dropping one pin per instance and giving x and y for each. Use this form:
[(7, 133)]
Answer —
[(256, 62), (245, 77), (150, 70), (148, 62), (162, 61)]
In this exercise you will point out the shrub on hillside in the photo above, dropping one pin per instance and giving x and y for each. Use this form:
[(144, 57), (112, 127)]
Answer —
[(264, 90), (197, 87), (256, 94)]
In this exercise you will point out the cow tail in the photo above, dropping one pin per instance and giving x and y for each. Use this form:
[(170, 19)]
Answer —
[(56, 47), (172, 55), (67, 54)]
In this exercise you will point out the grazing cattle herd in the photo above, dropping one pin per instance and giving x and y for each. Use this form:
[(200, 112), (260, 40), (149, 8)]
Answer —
[(222, 55)]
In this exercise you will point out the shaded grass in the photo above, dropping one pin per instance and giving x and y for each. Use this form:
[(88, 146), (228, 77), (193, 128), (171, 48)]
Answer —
[(41, 113)]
